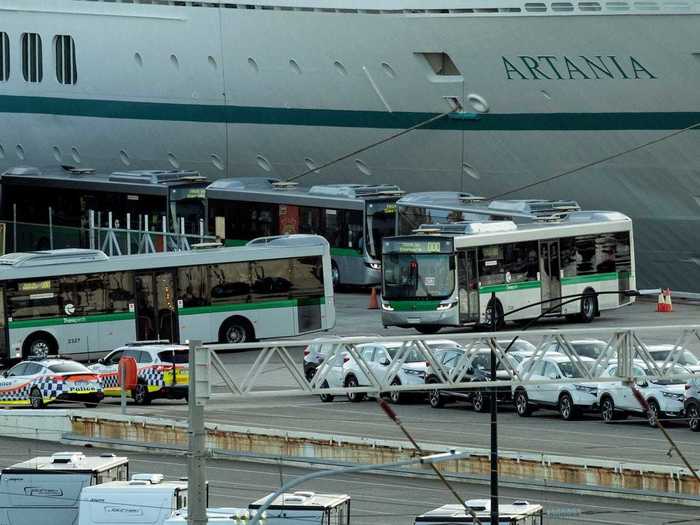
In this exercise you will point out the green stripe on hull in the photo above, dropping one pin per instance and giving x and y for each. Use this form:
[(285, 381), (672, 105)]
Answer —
[(260, 305), (527, 285), (612, 276), (414, 306), (214, 113), (56, 321)]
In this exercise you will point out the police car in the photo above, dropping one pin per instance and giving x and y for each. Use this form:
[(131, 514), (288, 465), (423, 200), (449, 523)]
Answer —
[(38, 383), (163, 371)]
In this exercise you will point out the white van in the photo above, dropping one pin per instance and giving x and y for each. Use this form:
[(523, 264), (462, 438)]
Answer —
[(46, 490), (144, 500)]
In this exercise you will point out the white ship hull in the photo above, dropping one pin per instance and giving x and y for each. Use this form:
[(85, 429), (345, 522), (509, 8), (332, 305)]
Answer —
[(250, 91)]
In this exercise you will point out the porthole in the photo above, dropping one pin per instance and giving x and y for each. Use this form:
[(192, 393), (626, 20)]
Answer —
[(174, 61), (263, 163), (138, 59), (388, 70), (253, 64), (295, 67), (340, 67), (212, 62), (364, 169), (478, 103), (217, 162), (57, 155), (124, 156), (20, 152), (172, 159), (75, 154), (471, 171), (2, 152)]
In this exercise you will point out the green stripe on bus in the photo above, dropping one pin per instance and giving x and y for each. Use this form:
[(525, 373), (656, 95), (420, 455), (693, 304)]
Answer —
[(612, 276), (260, 305), (414, 306), (55, 321), (509, 287), (346, 252)]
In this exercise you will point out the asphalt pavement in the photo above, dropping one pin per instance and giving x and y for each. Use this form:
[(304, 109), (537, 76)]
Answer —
[(376, 499)]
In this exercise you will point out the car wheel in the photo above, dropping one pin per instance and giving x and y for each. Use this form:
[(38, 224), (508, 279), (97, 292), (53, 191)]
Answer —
[(588, 308), (310, 373), (354, 397), (694, 418), (394, 396), (522, 406), (654, 413), (607, 410), (481, 401), (36, 400), (567, 409), (435, 397), (141, 395), (326, 398)]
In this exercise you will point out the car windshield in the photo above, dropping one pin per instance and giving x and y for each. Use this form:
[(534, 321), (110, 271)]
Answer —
[(381, 222), (685, 359), (592, 350), (411, 357), (569, 370), (62, 368), (418, 276), (517, 345), (179, 357), (676, 370)]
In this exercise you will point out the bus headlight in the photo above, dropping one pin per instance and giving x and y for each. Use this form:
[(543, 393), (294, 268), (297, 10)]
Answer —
[(387, 307), (446, 306)]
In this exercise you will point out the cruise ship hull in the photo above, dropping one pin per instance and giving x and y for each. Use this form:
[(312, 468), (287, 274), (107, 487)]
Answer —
[(241, 90)]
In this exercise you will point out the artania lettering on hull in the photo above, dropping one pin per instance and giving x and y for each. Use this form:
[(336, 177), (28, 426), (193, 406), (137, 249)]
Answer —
[(277, 87)]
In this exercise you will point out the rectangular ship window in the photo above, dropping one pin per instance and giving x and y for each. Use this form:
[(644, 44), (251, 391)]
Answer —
[(32, 58), (66, 69)]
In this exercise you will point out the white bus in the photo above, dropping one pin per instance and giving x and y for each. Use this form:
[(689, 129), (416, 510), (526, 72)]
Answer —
[(445, 275), (82, 302), (354, 218)]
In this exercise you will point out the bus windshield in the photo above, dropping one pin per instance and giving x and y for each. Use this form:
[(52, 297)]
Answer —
[(418, 276), (381, 222)]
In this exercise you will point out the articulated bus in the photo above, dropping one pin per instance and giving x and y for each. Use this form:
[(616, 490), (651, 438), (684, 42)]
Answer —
[(446, 275), (442, 207), (82, 302), (70, 193), (354, 218)]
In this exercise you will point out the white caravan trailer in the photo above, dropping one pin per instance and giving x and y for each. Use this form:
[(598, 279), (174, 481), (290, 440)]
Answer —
[(215, 516), (306, 508), (146, 499), (46, 490), (516, 513)]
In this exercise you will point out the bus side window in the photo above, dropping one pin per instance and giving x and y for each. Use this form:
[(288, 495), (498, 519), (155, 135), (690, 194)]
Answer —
[(120, 291)]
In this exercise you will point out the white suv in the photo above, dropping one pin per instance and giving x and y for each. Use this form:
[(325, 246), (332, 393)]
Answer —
[(686, 359), (379, 357), (665, 397), (570, 399)]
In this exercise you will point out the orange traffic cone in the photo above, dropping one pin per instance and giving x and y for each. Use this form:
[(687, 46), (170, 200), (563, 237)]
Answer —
[(669, 304), (373, 301), (660, 303)]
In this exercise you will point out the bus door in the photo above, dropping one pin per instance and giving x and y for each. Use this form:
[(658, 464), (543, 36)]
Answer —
[(156, 315), (468, 286), (550, 276)]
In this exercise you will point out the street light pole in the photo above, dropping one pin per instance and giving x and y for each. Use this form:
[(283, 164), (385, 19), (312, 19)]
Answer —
[(493, 399)]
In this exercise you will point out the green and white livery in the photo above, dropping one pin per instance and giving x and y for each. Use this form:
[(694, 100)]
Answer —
[(445, 275), (84, 303)]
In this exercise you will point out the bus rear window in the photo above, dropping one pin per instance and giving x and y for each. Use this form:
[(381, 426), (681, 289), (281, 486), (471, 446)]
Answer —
[(179, 357)]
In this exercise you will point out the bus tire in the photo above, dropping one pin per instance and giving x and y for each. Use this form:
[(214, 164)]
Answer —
[(500, 321), (236, 330), (589, 306), (39, 344), (335, 276), (428, 328)]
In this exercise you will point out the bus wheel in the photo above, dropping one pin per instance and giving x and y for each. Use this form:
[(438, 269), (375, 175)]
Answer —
[(36, 400), (40, 345), (589, 305), (335, 275), (428, 328), (235, 330), (500, 322)]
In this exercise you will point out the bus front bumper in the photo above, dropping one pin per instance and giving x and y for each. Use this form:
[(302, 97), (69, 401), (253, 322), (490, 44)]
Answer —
[(410, 319)]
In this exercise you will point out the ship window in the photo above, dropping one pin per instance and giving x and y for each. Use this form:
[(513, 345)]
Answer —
[(66, 69), (32, 59), (4, 57)]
